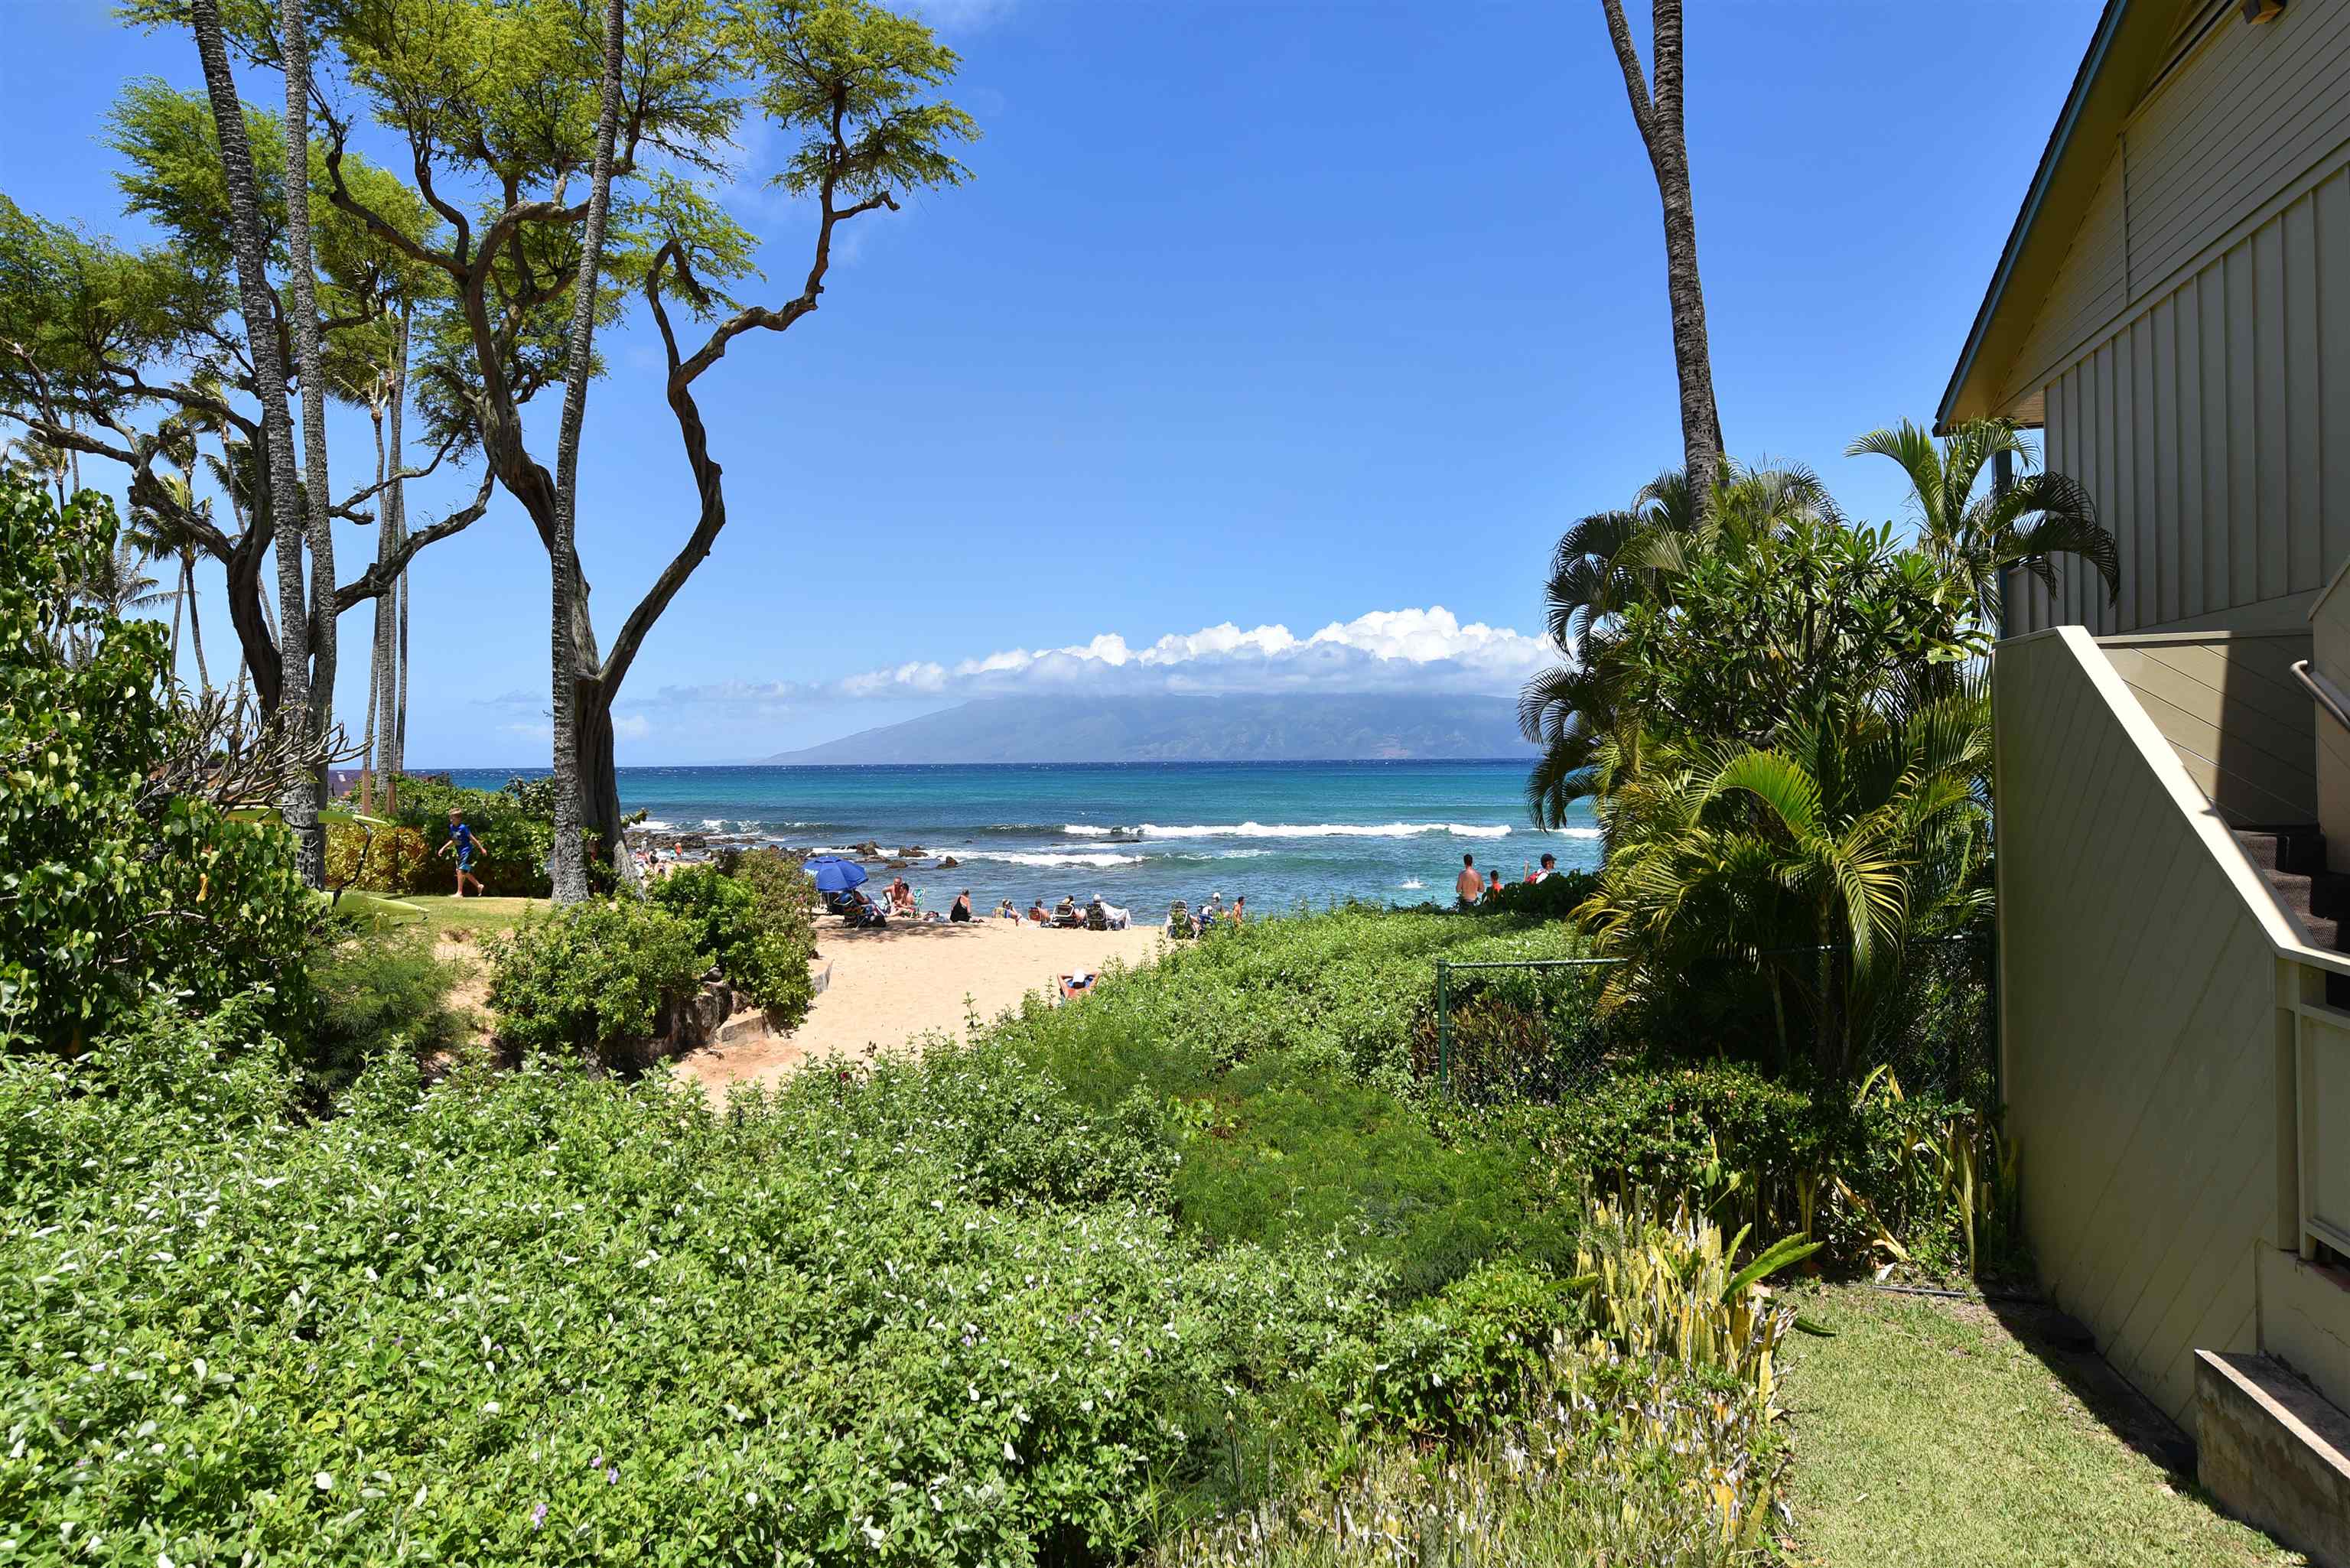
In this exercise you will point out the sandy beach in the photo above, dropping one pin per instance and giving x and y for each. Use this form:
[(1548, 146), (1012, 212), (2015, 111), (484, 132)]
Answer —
[(890, 985)]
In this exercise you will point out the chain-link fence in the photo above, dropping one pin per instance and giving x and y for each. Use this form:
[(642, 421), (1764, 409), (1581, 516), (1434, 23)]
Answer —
[(1530, 1028)]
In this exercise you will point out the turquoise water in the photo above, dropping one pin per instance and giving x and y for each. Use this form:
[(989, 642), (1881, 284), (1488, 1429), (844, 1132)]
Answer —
[(1139, 834)]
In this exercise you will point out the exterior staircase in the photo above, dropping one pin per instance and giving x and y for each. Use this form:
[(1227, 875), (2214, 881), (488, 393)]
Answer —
[(2293, 861)]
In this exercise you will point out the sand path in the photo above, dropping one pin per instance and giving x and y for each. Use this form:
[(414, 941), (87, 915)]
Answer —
[(892, 984)]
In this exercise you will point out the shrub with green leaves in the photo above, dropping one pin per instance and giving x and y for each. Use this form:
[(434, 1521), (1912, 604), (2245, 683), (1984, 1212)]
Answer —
[(514, 831), (541, 1316), (378, 993), (593, 976), (113, 887), (747, 925)]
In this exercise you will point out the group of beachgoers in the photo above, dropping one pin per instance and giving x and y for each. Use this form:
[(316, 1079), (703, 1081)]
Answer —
[(1475, 887), (899, 900)]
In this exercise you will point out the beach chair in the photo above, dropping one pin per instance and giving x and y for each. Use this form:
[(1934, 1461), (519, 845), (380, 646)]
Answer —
[(1097, 918), (1179, 921)]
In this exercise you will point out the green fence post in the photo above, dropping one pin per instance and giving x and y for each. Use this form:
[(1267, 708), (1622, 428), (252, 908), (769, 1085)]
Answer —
[(1443, 1027)]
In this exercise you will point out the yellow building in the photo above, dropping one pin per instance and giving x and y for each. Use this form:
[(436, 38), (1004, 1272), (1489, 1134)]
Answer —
[(2172, 310)]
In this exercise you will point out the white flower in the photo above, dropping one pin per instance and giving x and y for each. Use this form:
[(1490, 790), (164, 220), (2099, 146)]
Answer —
[(874, 1535), (325, 1481), (489, 1407), (1008, 1454)]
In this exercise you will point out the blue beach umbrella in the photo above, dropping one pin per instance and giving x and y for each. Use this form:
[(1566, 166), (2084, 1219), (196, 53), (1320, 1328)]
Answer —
[(834, 874)]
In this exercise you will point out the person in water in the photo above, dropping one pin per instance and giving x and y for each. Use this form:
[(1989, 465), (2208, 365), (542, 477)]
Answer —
[(460, 843), (1469, 885)]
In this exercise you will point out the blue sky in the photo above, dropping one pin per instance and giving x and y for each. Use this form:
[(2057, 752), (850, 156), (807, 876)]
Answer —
[(1274, 315)]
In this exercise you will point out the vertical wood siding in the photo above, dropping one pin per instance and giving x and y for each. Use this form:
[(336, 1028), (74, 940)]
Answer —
[(2192, 358), (2212, 430), (2140, 990)]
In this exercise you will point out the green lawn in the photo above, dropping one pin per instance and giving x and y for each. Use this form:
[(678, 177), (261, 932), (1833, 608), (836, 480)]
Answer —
[(474, 917), (1926, 1432)]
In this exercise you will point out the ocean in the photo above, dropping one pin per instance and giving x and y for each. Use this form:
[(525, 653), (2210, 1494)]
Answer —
[(1282, 834)]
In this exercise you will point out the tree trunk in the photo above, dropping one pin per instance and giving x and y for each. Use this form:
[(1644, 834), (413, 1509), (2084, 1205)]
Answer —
[(195, 621), (1660, 120), (395, 635), (599, 779), (569, 871), (400, 726), (380, 620), (178, 602), (294, 27), (257, 304)]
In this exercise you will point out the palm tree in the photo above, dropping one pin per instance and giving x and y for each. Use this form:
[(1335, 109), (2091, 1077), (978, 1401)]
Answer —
[(119, 585), (257, 304), (1818, 865), (1611, 561), (2025, 526), (310, 366), (1657, 116)]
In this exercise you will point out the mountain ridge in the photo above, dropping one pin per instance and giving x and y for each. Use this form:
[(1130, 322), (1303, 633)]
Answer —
[(1286, 727)]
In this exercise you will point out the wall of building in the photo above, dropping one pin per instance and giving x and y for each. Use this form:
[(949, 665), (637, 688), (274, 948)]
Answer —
[(2143, 1028), (2241, 724), (2192, 361)]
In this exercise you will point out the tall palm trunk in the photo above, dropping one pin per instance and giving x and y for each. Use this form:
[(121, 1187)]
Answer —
[(257, 304), (395, 637), (569, 870), (294, 27), (380, 620), (178, 602), (195, 618), (1660, 122), (400, 711)]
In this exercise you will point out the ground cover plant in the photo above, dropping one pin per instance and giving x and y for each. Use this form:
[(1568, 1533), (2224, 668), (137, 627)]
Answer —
[(983, 1307)]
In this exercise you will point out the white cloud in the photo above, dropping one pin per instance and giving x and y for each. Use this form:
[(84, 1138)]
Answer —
[(631, 726), (1403, 650)]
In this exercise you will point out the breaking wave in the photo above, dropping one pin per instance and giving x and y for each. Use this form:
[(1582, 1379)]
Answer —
[(1102, 859), (1326, 830)]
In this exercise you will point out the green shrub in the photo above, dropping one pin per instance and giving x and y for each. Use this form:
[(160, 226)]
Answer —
[(393, 859), (381, 992), (514, 831), (787, 910), (761, 938), (1784, 1158), (593, 976), (1463, 1361), (539, 1316), (1553, 898), (112, 886)]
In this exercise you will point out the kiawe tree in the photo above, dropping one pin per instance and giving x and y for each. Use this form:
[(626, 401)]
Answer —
[(504, 99)]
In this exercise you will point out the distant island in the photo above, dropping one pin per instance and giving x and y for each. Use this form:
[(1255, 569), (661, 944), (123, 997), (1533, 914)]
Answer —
[(1278, 729)]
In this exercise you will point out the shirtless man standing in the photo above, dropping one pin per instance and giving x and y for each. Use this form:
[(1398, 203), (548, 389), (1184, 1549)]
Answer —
[(1469, 885)]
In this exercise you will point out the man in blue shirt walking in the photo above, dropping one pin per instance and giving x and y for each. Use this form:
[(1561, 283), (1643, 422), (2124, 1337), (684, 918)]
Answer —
[(461, 840)]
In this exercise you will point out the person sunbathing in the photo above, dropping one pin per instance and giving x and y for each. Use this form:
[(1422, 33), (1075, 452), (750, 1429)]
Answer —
[(1036, 911)]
